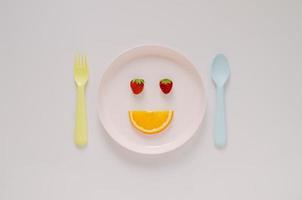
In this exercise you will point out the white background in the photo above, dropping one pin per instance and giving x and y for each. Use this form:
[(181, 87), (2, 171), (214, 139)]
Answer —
[(38, 41)]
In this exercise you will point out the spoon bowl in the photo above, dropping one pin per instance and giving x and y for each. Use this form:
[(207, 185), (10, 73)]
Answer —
[(220, 70)]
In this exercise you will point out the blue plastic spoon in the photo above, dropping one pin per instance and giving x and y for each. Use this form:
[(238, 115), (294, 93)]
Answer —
[(220, 75)]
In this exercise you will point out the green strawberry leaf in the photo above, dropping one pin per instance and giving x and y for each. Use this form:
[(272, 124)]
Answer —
[(138, 81), (166, 81)]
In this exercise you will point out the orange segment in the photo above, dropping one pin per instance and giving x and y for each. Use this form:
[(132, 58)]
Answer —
[(150, 122)]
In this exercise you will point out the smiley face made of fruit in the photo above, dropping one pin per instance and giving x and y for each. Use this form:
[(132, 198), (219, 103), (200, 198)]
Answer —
[(150, 122)]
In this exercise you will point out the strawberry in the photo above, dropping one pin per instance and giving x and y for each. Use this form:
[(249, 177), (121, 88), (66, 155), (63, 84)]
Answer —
[(166, 85), (137, 85)]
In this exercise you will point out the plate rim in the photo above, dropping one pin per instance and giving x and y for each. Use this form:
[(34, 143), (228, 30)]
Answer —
[(179, 54)]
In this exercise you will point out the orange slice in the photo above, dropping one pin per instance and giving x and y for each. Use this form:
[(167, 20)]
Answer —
[(150, 122)]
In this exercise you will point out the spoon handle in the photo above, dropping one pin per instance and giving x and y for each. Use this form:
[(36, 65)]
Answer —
[(219, 123)]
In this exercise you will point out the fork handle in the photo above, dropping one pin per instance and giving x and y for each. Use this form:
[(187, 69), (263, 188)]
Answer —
[(220, 135), (81, 120)]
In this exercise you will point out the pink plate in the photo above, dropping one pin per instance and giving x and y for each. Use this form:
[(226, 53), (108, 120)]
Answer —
[(151, 63)]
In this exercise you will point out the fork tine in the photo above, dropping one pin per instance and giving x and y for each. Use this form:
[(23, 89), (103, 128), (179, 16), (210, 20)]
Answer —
[(85, 62), (76, 63), (80, 61)]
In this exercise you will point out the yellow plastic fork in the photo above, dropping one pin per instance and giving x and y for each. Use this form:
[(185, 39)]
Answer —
[(81, 78)]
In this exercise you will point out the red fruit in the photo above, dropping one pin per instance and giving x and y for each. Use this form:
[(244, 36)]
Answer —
[(137, 85), (166, 85)]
